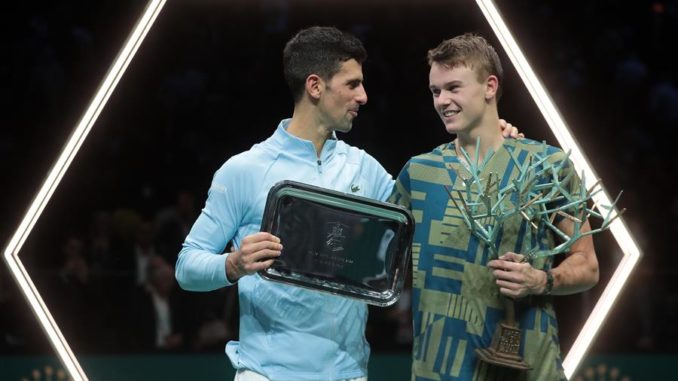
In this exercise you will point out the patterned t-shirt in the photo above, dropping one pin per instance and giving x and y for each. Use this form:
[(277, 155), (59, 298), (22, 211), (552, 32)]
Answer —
[(456, 303)]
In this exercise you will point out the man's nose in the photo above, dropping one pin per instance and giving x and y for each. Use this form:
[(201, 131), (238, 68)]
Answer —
[(443, 99), (362, 96)]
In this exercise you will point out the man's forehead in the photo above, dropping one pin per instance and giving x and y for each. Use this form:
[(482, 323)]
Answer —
[(446, 74), (351, 65), (448, 67), (350, 70)]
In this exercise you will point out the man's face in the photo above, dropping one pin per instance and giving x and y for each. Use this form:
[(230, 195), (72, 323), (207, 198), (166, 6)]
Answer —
[(342, 97), (458, 96)]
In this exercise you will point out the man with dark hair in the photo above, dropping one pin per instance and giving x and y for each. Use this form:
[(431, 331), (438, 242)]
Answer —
[(301, 56), (457, 286), (287, 332)]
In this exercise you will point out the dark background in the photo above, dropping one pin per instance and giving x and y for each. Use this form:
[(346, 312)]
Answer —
[(207, 83)]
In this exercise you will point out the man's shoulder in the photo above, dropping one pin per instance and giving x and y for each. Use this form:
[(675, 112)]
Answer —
[(540, 147), (353, 154), (553, 154), (246, 162), (343, 147)]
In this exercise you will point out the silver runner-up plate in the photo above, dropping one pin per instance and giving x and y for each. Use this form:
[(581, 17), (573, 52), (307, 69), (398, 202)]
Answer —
[(338, 243)]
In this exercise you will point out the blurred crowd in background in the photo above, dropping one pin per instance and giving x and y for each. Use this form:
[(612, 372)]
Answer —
[(207, 84)]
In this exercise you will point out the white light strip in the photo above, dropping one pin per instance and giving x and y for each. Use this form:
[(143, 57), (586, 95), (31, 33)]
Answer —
[(53, 179), (567, 142)]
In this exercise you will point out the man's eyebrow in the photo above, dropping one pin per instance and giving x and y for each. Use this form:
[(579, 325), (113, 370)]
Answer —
[(446, 84)]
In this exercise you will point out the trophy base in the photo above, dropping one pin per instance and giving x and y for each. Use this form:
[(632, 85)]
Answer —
[(490, 356), (504, 349)]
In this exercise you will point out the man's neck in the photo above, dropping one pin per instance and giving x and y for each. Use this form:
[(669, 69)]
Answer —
[(305, 125), (490, 138)]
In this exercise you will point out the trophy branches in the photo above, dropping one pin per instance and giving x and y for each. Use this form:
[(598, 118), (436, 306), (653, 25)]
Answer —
[(532, 195), (542, 190)]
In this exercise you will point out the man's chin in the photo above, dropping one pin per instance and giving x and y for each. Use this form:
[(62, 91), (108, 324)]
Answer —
[(344, 128), (452, 128)]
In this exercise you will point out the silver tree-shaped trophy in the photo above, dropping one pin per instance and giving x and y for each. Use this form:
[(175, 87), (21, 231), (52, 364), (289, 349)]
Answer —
[(538, 194)]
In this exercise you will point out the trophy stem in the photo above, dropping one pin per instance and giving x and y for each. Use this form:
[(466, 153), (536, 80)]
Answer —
[(505, 348), (509, 311)]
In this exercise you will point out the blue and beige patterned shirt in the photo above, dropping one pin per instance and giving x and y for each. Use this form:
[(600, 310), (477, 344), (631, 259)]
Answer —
[(456, 303)]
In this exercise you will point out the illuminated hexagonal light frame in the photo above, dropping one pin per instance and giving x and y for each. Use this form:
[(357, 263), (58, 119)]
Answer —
[(53, 179), (115, 73), (564, 136)]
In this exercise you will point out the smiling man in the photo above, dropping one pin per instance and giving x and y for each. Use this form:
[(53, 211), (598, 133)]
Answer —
[(457, 287), (287, 332)]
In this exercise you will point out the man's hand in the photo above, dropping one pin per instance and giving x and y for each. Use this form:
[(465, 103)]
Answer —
[(257, 252), (509, 131), (517, 279)]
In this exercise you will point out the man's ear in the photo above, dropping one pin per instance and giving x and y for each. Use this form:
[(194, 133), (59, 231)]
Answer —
[(491, 87), (314, 86)]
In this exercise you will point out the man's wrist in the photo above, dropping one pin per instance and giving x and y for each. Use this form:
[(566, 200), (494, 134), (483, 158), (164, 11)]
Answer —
[(231, 269), (548, 287)]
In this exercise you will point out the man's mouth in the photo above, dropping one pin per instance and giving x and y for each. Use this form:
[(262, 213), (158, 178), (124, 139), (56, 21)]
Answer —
[(450, 113)]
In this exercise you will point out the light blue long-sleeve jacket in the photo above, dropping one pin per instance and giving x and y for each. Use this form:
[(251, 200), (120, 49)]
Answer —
[(286, 332)]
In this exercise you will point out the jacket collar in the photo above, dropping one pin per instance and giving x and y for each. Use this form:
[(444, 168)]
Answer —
[(293, 145)]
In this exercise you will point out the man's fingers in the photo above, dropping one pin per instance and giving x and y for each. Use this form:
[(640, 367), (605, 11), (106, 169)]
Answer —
[(265, 264), (255, 247), (253, 267), (509, 131), (505, 265), (496, 264), (508, 285), (508, 292), (513, 293), (260, 260), (513, 257), (253, 261), (510, 276), (258, 237), (264, 255)]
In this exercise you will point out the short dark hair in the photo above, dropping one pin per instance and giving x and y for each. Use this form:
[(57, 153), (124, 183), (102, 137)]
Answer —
[(470, 50), (318, 50)]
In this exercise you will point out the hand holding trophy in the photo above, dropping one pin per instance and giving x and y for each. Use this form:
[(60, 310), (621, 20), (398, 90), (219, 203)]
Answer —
[(543, 191)]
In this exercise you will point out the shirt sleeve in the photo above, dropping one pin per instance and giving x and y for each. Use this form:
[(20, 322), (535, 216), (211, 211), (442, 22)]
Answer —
[(401, 194), (570, 183), (201, 265), (382, 180)]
